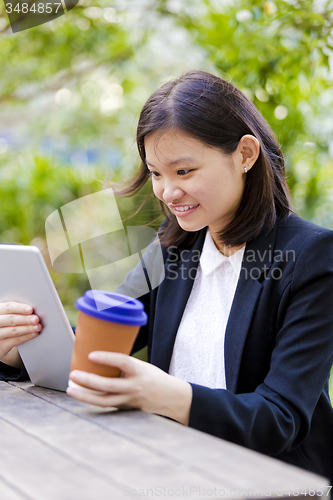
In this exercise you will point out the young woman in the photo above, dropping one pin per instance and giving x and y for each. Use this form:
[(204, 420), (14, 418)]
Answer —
[(240, 331)]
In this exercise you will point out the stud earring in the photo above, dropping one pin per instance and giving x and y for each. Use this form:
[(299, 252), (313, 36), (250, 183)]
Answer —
[(245, 170)]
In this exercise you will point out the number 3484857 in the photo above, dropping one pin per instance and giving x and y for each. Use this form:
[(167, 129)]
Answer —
[(35, 8)]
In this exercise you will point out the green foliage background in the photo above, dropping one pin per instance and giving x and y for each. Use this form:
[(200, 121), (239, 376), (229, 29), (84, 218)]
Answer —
[(81, 80)]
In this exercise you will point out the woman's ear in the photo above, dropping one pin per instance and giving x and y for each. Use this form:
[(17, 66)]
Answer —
[(248, 151)]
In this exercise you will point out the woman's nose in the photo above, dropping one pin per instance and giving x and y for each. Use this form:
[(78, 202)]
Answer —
[(171, 193)]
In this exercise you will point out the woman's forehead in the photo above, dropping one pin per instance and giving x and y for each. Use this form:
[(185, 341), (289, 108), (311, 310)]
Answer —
[(173, 147)]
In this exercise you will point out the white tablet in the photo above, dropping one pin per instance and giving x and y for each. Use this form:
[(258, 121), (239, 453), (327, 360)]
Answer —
[(24, 278)]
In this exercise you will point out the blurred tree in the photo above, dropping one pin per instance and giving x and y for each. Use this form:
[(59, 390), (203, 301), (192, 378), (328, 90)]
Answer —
[(82, 78), (280, 55)]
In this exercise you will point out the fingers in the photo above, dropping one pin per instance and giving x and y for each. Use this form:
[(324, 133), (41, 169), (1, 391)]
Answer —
[(24, 338), (18, 331), (122, 361), (11, 320), (119, 391), (15, 308), (112, 385), (18, 322), (9, 343), (97, 400)]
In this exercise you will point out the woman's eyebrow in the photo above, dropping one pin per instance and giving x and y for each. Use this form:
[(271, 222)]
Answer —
[(181, 159)]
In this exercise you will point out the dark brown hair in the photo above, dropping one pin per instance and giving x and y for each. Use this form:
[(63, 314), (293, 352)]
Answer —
[(215, 112)]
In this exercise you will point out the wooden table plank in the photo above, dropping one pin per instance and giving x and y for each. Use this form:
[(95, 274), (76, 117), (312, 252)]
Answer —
[(43, 473), (120, 460), (235, 467)]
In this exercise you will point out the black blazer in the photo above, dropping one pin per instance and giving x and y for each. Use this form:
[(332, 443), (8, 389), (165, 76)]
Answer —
[(278, 343)]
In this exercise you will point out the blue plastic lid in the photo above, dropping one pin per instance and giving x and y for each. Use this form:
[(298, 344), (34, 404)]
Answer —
[(110, 306)]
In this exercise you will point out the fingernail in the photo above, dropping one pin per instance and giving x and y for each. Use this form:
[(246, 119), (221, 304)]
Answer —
[(93, 355), (28, 309)]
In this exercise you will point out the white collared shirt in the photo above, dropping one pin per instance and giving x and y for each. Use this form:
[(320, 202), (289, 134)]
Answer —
[(198, 353)]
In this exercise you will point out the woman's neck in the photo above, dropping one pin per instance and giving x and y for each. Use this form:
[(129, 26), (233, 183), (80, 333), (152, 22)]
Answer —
[(226, 250)]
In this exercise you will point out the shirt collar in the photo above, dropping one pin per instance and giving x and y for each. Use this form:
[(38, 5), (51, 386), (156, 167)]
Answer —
[(211, 258)]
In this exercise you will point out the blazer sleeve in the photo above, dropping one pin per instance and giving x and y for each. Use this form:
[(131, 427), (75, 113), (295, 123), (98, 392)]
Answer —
[(276, 417), (9, 373)]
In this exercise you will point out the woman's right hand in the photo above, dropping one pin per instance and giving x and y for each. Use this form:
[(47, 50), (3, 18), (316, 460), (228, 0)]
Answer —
[(18, 324)]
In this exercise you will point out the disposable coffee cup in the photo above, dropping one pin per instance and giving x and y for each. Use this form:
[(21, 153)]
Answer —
[(112, 326)]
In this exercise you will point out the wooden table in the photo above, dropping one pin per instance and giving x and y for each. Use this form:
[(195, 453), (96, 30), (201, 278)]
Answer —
[(53, 447)]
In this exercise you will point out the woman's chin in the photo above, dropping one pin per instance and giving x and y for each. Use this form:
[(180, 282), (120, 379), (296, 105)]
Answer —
[(190, 226)]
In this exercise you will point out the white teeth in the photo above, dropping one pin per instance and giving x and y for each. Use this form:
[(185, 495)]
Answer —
[(186, 207)]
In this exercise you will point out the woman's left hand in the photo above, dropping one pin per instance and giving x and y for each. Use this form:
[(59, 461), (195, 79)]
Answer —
[(142, 386)]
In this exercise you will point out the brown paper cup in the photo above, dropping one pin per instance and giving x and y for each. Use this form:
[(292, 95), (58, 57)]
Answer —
[(94, 334)]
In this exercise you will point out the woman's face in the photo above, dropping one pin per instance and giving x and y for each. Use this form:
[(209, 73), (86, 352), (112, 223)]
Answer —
[(187, 173)]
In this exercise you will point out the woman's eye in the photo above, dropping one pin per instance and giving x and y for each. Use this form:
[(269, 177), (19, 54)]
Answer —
[(183, 172), (153, 174), (180, 172)]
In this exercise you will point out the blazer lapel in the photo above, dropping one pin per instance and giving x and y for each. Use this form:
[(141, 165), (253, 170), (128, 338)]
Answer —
[(256, 263)]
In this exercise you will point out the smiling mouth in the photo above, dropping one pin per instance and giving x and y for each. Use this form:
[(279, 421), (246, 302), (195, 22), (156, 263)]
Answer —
[(185, 208)]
